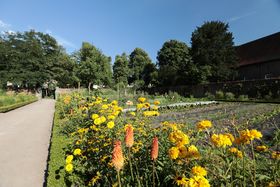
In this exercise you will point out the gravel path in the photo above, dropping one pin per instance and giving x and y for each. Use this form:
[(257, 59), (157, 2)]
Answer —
[(24, 142)]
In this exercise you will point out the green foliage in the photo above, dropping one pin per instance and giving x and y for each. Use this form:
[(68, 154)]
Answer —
[(120, 69), (213, 52), (140, 66), (229, 96), (175, 64), (94, 67), (219, 94), (243, 98), (209, 96)]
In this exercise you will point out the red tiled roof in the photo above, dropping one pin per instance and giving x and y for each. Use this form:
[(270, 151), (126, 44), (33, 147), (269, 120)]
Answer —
[(260, 50)]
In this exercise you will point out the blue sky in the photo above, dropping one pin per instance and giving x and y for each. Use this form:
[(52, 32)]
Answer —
[(117, 26)]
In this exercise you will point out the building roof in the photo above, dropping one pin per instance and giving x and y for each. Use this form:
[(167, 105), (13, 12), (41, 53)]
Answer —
[(260, 50)]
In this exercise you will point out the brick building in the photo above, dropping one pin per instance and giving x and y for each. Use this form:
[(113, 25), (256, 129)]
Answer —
[(260, 59)]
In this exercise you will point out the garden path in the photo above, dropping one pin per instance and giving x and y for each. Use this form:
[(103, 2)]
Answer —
[(24, 142)]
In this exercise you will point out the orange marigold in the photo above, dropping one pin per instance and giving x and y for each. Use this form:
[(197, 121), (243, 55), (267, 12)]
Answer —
[(117, 158)]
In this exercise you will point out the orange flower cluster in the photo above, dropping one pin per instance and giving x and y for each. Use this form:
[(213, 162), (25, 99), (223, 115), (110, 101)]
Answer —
[(118, 159)]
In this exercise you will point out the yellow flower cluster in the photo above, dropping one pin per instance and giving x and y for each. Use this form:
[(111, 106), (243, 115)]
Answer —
[(179, 138), (67, 99), (203, 125), (199, 171), (141, 99), (150, 113), (246, 136), (236, 152), (222, 140), (69, 165), (261, 148)]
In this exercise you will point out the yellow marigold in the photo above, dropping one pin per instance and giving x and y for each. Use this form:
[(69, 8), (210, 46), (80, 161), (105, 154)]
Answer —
[(198, 181), (150, 113), (132, 113), (275, 155), (173, 152), (69, 159), (111, 117), (261, 148), (179, 138), (141, 99), (154, 151), (193, 152), (147, 105), (199, 171), (94, 116), (156, 102), (221, 140), (103, 119), (181, 181), (140, 106), (110, 124), (183, 152), (69, 167), (204, 124), (129, 140), (114, 102), (236, 152), (246, 136), (77, 152), (104, 107), (117, 158), (97, 121)]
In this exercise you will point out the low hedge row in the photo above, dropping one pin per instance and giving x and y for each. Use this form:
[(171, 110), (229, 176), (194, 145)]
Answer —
[(17, 105)]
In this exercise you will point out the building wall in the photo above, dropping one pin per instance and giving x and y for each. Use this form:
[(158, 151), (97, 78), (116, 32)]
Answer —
[(263, 70)]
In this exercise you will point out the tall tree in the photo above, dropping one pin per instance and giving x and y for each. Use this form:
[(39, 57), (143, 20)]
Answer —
[(94, 66), (213, 52), (175, 64), (120, 69), (137, 61)]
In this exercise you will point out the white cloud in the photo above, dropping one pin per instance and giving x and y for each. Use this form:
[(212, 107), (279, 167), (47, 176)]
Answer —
[(236, 18), (64, 42), (4, 25)]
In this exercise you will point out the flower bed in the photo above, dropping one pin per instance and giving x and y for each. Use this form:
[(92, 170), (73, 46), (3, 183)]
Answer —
[(111, 148)]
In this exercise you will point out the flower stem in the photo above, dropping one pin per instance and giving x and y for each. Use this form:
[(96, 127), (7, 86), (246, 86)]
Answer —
[(254, 164), (119, 179), (154, 184), (130, 164)]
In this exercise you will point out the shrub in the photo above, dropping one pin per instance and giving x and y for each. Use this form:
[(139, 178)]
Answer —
[(243, 98), (209, 96), (229, 96), (219, 94)]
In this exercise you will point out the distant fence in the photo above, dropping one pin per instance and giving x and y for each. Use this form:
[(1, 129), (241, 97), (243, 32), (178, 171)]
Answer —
[(252, 88)]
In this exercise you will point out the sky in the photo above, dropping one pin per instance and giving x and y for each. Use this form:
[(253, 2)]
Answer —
[(117, 26)]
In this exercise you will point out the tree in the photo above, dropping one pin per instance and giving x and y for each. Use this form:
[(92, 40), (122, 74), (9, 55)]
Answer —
[(175, 64), (120, 69), (213, 52), (94, 67), (137, 61)]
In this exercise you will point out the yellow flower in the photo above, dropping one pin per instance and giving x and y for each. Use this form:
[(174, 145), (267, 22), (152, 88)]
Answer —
[(110, 124), (198, 181), (141, 99), (111, 117), (103, 119), (261, 148), (150, 113), (246, 136), (132, 113), (69, 167), (94, 116), (193, 152), (275, 155), (173, 152), (179, 138), (183, 152), (181, 181), (236, 152), (156, 102), (97, 121), (204, 124), (69, 159), (114, 102), (199, 171), (77, 152), (221, 140), (104, 107)]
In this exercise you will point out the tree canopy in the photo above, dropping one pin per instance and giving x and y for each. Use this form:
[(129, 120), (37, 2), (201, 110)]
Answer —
[(175, 64), (120, 69), (213, 52)]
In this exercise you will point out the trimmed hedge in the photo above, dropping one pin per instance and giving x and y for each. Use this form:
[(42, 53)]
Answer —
[(17, 105)]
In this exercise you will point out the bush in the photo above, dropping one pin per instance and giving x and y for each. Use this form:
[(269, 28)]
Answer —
[(229, 96), (243, 98), (219, 94), (209, 96)]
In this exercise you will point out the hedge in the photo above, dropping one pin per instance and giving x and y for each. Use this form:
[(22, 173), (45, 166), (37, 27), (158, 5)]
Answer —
[(16, 105)]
